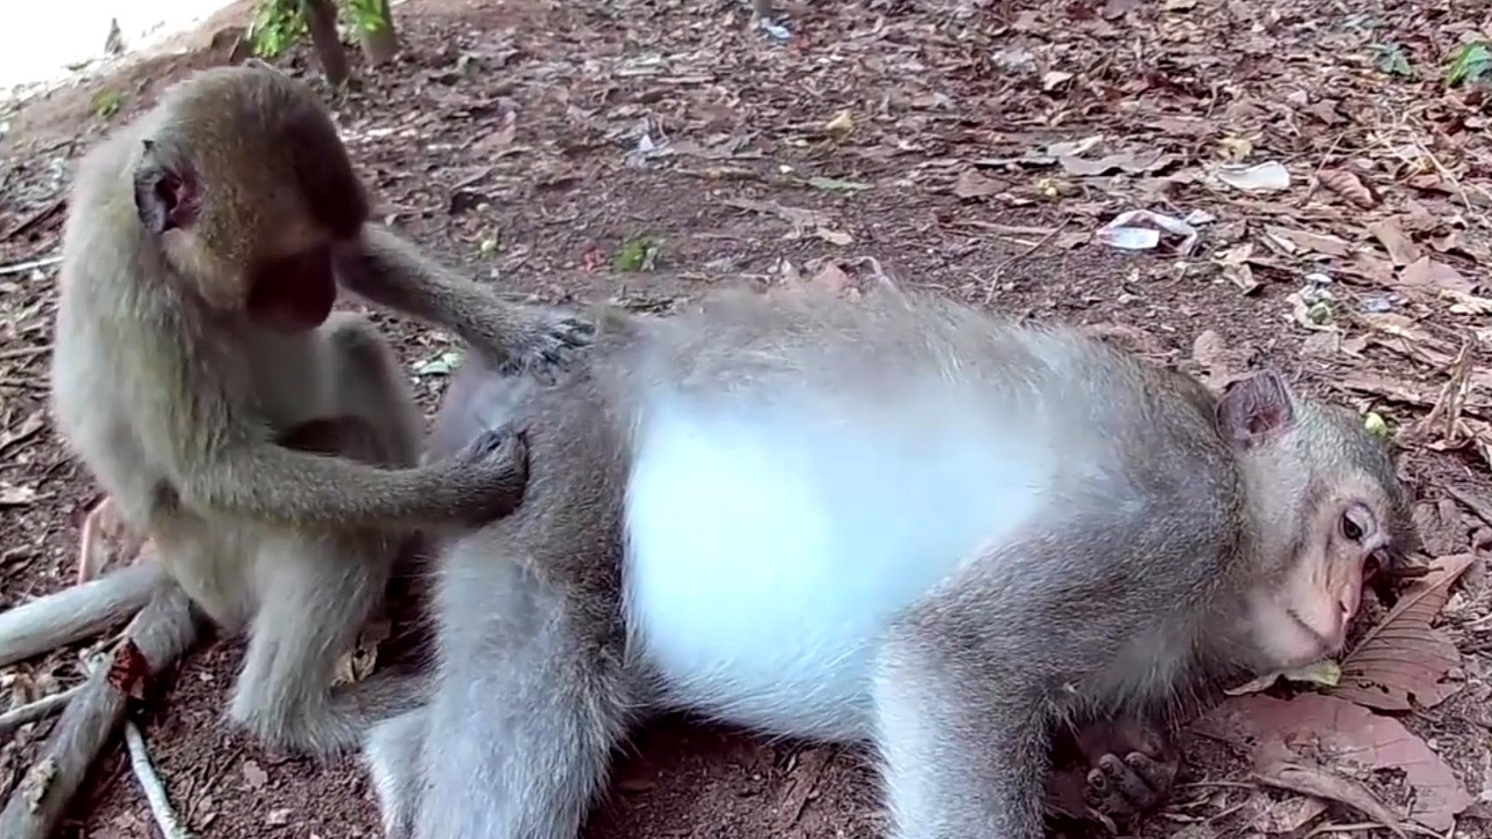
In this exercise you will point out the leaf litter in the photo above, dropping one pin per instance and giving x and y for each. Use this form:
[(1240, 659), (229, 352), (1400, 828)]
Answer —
[(1343, 142)]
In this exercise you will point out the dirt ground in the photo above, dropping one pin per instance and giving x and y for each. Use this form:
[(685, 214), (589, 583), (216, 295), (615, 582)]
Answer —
[(972, 147)]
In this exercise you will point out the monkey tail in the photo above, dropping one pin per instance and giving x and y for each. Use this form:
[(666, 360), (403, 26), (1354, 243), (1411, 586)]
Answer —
[(78, 612)]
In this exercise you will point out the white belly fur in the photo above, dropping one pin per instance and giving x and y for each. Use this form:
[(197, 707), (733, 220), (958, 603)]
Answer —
[(768, 545)]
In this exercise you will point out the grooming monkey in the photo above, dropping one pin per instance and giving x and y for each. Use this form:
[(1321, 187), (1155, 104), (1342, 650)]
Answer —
[(267, 448), (898, 522)]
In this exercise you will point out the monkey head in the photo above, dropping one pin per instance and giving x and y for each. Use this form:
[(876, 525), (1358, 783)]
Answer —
[(242, 181), (1325, 512)]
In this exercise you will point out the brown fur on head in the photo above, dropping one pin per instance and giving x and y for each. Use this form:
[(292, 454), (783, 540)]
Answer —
[(242, 180), (1327, 512)]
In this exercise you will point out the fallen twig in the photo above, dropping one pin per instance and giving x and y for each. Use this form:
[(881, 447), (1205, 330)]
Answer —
[(25, 352), (42, 708), (155, 791), (36, 218), (22, 267), (163, 630), (994, 280)]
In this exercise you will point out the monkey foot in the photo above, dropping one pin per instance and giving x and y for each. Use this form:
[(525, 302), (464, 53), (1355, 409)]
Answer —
[(1124, 788)]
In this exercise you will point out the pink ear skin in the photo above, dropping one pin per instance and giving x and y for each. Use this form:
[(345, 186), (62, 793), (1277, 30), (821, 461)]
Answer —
[(166, 197), (1253, 409)]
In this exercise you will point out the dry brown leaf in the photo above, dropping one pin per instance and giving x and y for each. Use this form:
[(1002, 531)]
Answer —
[(1273, 728), (1429, 273), (1322, 344), (971, 184), (1349, 186), (1130, 162), (14, 496), (799, 217), (1306, 240), (1234, 264), (1401, 249), (1289, 815), (1366, 266), (832, 278), (1403, 658), (1310, 780), (254, 776), (1394, 389), (358, 663)]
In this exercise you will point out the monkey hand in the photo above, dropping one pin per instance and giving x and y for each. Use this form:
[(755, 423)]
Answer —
[(1122, 788), (1123, 768), (544, 340), (495, 467)]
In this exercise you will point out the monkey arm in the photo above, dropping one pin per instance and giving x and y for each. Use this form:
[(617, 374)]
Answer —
[(269, 482), (387, 270)]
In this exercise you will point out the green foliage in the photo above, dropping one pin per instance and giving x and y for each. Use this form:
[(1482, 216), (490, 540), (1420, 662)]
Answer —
[(1473, 63), (1390, 58), (106, 103), (637, 255), (278, 25), (368, 15)]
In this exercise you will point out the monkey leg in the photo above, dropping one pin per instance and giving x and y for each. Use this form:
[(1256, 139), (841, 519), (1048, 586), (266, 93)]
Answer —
[(530, 698), (314, 595), (371, 386), (394, 754), (964, 743)]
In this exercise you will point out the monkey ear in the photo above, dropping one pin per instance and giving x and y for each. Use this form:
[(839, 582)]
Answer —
[(1254, 408), (165, 196)]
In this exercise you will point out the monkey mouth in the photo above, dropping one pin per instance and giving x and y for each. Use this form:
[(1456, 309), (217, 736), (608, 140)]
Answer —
[(1321, 644)]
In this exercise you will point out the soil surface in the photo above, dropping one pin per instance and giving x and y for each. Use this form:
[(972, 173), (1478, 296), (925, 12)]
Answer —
[(1331, 160)]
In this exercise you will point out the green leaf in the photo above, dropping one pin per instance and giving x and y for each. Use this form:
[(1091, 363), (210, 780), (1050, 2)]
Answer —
[(1392, 60), (278, 24), (637, 255), (1473, 62), (444, 364), (837, 185), (1376, 425), (106, 103)]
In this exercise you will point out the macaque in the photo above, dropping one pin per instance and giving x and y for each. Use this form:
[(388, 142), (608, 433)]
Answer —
[(900, 522), (266, 447)]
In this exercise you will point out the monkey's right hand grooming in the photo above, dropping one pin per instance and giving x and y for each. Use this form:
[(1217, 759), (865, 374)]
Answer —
[(384, 268)]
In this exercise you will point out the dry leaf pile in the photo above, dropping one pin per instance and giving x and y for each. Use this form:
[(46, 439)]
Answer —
[(1214, 183)]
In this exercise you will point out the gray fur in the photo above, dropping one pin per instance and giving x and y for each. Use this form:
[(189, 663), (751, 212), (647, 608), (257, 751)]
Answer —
[(1132, 599), (187, 409)]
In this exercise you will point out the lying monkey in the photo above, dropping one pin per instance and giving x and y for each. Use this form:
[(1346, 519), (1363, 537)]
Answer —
[(267, 448), (899, 522)]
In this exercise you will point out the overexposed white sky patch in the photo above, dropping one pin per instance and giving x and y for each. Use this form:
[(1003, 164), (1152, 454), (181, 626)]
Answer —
[(39, 39)]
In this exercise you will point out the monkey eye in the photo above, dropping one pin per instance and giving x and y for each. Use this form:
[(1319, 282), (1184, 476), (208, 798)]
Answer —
[(1357, 523)]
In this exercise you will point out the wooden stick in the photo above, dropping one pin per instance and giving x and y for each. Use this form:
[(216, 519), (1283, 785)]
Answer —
[(165, 629), (42, 708), (155, 791)]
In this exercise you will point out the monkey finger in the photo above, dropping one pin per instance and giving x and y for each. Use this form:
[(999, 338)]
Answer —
[(1158, 772), (1117, 790)]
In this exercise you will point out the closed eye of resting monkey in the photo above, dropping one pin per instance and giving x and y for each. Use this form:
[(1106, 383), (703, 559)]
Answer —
[(266, 447), (901, 523)]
